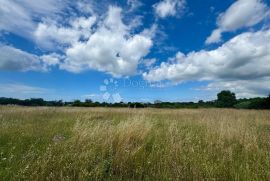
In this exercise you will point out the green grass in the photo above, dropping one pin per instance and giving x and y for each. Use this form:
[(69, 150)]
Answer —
[(129, 144)]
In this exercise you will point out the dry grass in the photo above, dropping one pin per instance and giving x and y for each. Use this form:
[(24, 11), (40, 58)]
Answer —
[(127, 144)]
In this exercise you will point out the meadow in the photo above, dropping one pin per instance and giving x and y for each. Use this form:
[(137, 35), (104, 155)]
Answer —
[(40, 143)]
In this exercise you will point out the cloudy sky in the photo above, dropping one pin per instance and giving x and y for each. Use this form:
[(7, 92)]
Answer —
[(134, 50)]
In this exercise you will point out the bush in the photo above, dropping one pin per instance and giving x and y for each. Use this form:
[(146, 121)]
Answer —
[(243, 105)]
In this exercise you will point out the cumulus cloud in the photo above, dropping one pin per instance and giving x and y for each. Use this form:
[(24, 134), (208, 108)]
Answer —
[(245, 58), (85, 40), (166, 8), (50, 35), (111, 48), (13, 59), (241, 14)]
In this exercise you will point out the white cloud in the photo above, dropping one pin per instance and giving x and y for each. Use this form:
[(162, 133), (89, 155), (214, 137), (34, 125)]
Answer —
[(244, 58), (85, 41), (51, 35), (215, 37), (241, 14), (134, 4), (85, 6), (83, 23), (20, 18), (149, 62), (15, 88), (111, 48), (242, 88), (51, 59), (13, 59), (167, 8)]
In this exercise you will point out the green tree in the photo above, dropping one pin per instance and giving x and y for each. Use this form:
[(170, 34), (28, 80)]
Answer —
[(226, 99), (88, 101), (77, 103), (268, 102), (200, 102)]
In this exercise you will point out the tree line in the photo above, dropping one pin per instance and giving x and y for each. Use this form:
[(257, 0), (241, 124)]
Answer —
[(225, 99)]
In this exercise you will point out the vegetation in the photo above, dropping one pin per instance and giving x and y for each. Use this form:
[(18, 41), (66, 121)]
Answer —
[(44, 143), (225, 99), (254, 103)]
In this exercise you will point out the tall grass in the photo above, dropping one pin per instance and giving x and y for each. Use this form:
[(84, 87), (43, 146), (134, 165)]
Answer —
[(129, 144)]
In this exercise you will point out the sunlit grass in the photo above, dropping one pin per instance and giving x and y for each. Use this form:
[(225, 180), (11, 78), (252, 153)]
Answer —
[(130, 144)]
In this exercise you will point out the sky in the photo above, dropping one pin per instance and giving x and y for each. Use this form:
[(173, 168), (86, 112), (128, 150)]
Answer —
[(134, 50)]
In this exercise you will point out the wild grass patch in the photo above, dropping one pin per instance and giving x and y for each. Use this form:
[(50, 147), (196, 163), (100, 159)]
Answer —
[(130, 144)]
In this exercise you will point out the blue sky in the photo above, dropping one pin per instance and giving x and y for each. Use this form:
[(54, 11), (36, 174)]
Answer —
[(134, 50)]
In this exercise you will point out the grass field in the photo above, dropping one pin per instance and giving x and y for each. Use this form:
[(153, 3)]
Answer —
[(129, 144)]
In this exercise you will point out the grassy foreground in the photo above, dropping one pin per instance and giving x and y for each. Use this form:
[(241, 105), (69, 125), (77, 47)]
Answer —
[(128, 144)]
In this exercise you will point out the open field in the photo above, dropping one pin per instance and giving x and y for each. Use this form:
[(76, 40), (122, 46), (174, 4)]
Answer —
[(129, 144)]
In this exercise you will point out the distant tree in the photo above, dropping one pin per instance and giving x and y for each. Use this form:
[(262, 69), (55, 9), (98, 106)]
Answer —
[(200, 102), (268, 102), (88, 101), (36, 102), (77, 103), (226, 99)]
